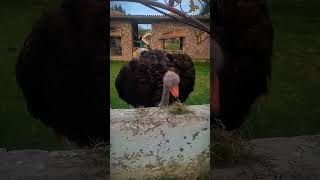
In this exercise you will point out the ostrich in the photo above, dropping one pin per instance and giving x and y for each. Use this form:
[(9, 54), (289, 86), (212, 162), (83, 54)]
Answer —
[(61, 70), (243, 37), (156, 79)]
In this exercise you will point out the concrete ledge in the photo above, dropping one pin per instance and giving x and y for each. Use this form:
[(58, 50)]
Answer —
[(55, 165), (153, 142), (169, 135), (295, 158)]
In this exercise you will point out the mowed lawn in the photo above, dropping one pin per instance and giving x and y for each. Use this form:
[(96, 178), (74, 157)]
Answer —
[(200, 95), (293, 104), (18, 130)]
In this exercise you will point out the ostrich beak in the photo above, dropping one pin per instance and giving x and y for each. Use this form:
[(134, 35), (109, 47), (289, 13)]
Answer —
[(175, 91)]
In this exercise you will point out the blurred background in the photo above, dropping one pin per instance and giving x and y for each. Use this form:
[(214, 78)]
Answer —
[(291, 108)]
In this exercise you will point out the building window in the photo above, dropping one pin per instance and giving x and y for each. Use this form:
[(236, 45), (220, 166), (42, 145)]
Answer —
[(115, 46), (173, 44)]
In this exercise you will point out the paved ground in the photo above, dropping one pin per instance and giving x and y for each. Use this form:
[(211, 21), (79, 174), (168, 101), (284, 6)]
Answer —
[(279, 158)]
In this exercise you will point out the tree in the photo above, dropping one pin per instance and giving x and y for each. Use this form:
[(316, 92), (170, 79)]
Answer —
[(142, 30), (118, 7), (205, 8)]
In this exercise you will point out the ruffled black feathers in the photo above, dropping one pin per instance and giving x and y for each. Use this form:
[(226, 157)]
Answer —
[(140, 82), (62, 71)]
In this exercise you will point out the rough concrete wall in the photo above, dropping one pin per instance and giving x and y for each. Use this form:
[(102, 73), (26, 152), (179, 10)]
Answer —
[(196, 43), (150, 142), (54, 165), (126, 39), (273, 158)]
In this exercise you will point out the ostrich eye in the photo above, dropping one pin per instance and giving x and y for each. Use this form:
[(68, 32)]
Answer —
[(143, 53)]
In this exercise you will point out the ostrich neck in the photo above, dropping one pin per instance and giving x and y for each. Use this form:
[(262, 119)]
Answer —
[(165, 97)]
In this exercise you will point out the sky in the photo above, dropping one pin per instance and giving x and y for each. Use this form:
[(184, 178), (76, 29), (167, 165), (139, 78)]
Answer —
[(139, 9), (136, 8)]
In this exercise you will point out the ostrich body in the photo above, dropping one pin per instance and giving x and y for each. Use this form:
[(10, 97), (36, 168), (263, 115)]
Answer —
[(156, 78), (244, 36), (62, 71)]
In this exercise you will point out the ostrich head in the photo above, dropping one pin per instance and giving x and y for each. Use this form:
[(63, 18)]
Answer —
[(171, 82), (139, 52)]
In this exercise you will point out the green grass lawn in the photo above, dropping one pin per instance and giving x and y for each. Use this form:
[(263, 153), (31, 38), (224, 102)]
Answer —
[(17, 129), (293, 105), (200, 95), (172, 46)]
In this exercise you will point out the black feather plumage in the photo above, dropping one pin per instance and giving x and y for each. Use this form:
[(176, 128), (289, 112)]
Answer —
[(140, 82), (62, 70), (244, 31)]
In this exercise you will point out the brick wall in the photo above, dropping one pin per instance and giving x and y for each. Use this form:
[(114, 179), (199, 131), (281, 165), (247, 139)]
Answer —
[(196, 42), (126, 39)]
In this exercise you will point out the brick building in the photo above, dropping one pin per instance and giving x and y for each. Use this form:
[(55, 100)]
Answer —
[(166, 34)]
